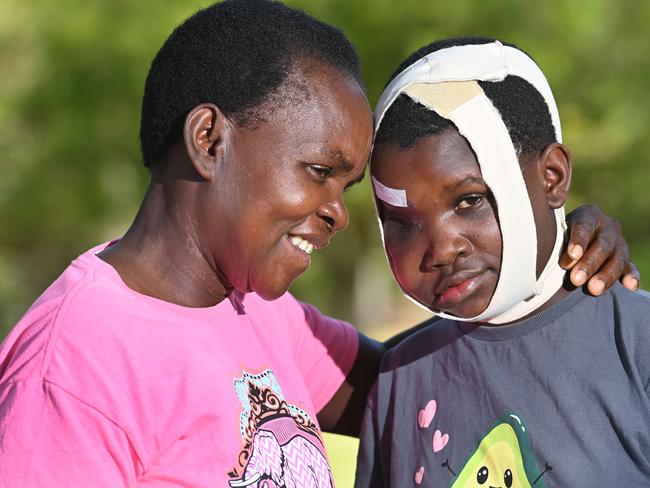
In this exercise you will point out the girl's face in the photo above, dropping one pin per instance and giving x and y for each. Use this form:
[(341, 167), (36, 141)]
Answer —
[(280, 193), (445, 247)]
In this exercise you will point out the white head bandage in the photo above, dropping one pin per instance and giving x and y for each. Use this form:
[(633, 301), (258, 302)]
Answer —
[(446, 81)]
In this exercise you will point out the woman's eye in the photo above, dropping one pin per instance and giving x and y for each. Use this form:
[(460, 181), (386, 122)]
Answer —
[(320, 172), (471, 201)]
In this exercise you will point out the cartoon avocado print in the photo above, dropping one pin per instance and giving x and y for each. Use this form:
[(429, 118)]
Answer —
[(503, 459)]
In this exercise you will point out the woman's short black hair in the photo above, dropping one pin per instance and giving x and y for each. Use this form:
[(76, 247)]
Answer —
[(233, 54), (523, 109)]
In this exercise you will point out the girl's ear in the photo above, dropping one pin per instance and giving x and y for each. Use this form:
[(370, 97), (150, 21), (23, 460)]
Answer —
[(205, 133), (555, 164)]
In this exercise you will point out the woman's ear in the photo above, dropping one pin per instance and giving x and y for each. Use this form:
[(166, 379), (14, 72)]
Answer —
[(206, 131), (555, 164)]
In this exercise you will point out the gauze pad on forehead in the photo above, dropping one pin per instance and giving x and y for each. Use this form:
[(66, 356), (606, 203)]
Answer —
[(427, 81)]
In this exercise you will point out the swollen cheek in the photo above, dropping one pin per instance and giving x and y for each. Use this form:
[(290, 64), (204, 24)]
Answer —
[(405, 277)]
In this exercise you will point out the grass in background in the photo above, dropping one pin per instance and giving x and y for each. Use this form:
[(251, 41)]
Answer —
[(342, 453)]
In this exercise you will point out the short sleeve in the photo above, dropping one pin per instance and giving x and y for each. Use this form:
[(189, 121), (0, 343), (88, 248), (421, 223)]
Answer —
[(324, 350), (50, 438)]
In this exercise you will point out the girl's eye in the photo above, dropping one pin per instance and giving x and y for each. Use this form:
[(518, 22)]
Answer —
[(320, 172), (398, 226), (470, 201)]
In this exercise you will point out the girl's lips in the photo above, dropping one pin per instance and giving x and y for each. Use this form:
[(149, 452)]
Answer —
[(455, 294)]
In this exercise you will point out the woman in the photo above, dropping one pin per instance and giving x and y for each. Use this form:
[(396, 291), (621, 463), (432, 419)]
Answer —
[(174, 356)]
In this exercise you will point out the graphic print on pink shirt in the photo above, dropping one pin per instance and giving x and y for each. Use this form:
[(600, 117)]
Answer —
[(282, 444)]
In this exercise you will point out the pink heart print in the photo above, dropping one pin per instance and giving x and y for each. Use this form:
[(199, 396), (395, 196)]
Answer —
[(439, 441), (425, 416), (419, 474)]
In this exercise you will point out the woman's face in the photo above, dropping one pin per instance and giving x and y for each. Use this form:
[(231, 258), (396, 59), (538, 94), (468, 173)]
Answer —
[(280, 192)]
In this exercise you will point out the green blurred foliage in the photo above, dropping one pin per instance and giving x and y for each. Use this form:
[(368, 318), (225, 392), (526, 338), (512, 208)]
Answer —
[(72, 77)]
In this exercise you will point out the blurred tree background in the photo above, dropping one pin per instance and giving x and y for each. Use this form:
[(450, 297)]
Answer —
[(72, 74)]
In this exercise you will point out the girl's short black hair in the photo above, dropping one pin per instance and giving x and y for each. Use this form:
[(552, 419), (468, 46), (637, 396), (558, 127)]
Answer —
[(523, 109), (233, 54)]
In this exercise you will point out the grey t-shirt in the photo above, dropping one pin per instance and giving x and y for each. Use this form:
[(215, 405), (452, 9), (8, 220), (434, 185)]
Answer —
[(557, 400)]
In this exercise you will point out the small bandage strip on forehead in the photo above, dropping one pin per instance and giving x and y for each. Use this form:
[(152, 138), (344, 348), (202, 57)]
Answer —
[(391, 196), (465, 104)]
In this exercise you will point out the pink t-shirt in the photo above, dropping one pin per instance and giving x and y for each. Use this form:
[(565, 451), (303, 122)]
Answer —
[(101, 386)]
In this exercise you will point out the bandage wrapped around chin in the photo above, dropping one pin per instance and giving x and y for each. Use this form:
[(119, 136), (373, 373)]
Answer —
[(446, 81)]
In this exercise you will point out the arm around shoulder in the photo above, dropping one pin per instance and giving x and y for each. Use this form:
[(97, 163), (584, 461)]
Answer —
[(344, 412)]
